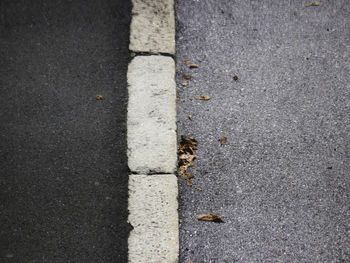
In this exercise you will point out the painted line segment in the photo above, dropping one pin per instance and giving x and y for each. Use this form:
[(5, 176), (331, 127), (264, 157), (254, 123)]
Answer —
[(151, 115), (152, 28), (151, 135), (153, 206)]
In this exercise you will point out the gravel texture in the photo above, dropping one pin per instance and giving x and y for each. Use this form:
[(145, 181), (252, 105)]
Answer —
[(282, 179)]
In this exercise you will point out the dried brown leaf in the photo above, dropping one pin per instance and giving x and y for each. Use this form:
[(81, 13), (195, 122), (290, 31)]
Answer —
[(190, 117), (223, 140), (203, 97), (99, 97), (187, 176), (184, 164), (193, 66), (186, 156), (189, 183), (181, 170), (179, 100), (188, 141), (186, 159), (185, 84), (186, 76), (187, 61), (198, 188), (313, 4), (210, 217), (235, 77)]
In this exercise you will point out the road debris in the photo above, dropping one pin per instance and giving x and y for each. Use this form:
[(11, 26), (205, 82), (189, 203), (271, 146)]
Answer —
[(185, 84), (193, 65), (187, 61), (223, 140), (99, 97), (313, 4), (235, 77), (187, 176), (186, 76), (179, 100), (190, 117), (210, 217), (203, 97)]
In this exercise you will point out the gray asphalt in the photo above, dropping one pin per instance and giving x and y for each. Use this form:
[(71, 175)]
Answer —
[(63, 183), (282, 180)]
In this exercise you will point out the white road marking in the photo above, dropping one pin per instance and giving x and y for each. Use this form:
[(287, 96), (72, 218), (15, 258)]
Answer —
[(152, 135)]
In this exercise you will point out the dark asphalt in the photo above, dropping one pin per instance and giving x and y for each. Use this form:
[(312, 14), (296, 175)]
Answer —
[(282, 180), (63, 153)]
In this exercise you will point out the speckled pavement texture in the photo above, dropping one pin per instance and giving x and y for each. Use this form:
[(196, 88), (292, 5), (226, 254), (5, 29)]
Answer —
[(282, 180), (64, 174)]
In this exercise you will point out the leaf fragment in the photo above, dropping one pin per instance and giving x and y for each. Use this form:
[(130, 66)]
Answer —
[(186, 156), (223, 140), (211, 218), (203, 97), (317, 3), (187, 61), (186, 76), (187, 176), (235, 77), (179, 100), (188, 142), (199, 188), (193, 65), (185, 84), (190, 117), (99, 97)]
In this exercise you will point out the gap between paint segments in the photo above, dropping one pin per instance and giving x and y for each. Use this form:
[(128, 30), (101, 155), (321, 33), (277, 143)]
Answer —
[(135, 54)]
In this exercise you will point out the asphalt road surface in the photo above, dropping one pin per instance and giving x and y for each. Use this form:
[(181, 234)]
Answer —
[(63, 177), (282, 179)]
